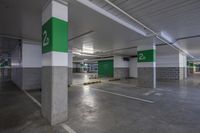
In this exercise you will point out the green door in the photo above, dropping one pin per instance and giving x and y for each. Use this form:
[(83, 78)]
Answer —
[(105, 68)]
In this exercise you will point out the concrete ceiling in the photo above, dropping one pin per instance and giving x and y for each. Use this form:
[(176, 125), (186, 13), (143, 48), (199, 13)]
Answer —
[(177, 18), (105, 33), (7, 45)]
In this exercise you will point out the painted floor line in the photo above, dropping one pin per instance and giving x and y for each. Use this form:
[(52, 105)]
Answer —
[(117, 94), (149, 92), (129, 85), (159, 89), (32, 98), (67, 128)]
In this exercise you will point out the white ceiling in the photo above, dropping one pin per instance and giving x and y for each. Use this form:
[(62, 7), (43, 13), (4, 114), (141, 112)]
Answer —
[(177, 18), (106, 35)]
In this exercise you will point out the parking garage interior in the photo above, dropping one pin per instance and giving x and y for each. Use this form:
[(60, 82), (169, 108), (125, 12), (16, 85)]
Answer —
[(99, 66)]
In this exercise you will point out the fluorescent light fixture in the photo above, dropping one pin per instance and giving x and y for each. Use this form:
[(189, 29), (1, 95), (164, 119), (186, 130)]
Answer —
[(166, 36), (111, 16), (88, 48), (77, 53), (83, 54), (88, 51)]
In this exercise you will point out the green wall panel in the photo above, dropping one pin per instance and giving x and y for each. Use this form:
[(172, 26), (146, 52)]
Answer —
[(55, 36), (146, 56), (105, 68)]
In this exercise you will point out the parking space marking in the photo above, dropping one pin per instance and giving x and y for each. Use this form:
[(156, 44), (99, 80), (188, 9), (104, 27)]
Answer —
[(122, 95), (149, 92), (32, 98), (67, 128), (128, 85)]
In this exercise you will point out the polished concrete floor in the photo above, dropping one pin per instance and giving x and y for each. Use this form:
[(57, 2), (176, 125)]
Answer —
[(80, 78), (19, 114), (110, 107)]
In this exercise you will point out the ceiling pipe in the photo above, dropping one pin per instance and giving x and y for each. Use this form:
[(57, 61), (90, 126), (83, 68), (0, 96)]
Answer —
[(134, 19), (147, 28), (113, 17)]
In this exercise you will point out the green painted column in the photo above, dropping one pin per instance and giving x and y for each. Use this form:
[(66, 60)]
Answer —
[(55, 61), (146, 58)]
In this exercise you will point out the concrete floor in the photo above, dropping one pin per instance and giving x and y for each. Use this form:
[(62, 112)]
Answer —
[(80, 78), (19, 114), (110, 108)]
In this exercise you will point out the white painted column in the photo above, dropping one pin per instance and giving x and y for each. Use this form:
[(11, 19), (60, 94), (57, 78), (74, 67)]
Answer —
[(133, 68), (121, 67)]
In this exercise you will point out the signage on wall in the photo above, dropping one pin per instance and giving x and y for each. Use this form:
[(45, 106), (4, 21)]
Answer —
[(146, 56)]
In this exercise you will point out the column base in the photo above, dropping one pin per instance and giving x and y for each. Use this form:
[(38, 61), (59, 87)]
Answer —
[(146, 77), (55, 93), (121, 73)]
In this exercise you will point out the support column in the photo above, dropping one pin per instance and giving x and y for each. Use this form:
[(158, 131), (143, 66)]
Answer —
[(55, 61), (121, 67), (70, 68), (146, 55), (133, 67), (182, 66)]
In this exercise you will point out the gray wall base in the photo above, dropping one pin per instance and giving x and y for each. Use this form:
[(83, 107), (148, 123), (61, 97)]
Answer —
[(31, 78), (76, 70), (170, 73), (146, 77), (26, 78), (121, 73), (16, 76), (55, 93)]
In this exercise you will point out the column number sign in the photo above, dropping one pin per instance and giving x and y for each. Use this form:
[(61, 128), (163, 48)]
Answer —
[(55, 36), (146, 56)]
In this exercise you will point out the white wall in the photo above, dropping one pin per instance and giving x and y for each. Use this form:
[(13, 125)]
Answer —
[(31, 54), (173, 60), (26, 61), (120, 63), (167, 60), (133, 68)]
